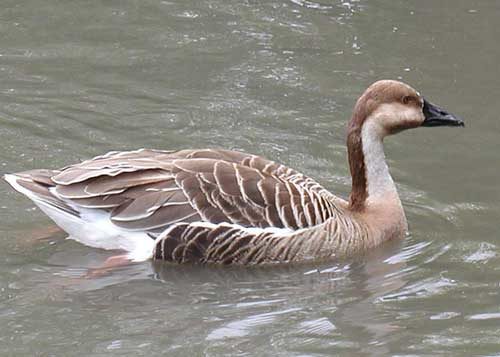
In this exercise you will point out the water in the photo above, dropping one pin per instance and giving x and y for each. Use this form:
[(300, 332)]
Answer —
[(277, 79)]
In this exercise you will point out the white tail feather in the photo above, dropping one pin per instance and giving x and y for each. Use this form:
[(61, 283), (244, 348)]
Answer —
[(93, 228)]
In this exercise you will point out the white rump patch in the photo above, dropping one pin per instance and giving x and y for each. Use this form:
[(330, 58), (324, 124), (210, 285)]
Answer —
[(93, 228)]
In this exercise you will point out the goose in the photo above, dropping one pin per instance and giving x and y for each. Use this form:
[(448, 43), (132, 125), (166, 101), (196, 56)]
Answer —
[(228, 207)]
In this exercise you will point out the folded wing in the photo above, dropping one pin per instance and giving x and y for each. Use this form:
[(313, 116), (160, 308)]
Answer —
[(149, 190)]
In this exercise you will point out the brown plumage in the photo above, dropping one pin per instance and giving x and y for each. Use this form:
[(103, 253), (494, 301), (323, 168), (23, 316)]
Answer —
[(228, 207), (151, 189)]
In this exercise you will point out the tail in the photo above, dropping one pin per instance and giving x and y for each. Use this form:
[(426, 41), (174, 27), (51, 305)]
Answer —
[(91, 227), (36, 185)]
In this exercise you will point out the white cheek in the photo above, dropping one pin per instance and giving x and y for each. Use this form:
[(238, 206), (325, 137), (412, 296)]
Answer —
[(397, 115), (404, 116), (414, 115)]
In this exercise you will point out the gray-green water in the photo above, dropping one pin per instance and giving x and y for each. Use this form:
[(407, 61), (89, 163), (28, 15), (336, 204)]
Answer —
[(275, 78)]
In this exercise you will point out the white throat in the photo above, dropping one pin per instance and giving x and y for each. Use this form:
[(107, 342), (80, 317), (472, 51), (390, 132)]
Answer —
[(379, 180)]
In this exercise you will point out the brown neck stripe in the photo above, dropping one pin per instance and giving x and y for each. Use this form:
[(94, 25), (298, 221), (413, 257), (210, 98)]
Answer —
[(359, 192)]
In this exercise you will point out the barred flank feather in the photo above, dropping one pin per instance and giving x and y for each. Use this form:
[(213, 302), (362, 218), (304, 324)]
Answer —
[(232, 244)]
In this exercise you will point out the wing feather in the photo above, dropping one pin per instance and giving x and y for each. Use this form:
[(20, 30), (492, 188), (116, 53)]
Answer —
[(149, 190)]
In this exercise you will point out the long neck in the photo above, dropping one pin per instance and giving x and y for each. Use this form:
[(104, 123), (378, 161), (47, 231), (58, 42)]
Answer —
[(378, 178), (371, 180)]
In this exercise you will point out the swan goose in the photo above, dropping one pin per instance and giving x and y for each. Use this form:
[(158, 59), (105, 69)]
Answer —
[(228, 207)]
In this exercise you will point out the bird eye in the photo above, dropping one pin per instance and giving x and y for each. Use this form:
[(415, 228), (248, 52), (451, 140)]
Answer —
[(407, 99)]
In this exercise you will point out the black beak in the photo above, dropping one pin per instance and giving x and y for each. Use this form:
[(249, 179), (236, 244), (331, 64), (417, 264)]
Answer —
[(435, 116)]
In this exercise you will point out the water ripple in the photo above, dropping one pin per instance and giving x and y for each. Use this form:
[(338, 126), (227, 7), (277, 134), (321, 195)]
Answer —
[(246, 326)]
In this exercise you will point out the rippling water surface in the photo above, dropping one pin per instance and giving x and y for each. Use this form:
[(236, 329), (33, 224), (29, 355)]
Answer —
[(275, 78)]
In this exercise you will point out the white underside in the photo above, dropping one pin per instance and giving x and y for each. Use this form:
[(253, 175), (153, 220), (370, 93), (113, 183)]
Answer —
[(94, 227)]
